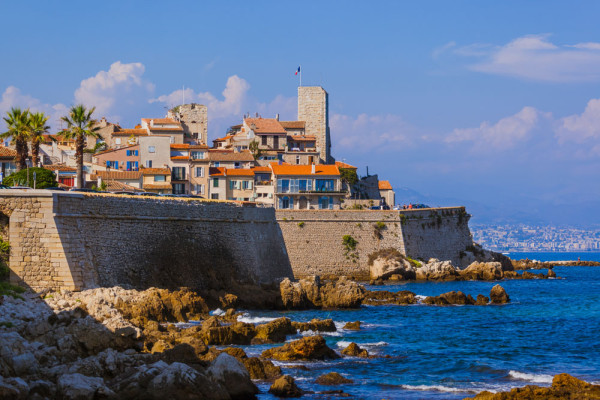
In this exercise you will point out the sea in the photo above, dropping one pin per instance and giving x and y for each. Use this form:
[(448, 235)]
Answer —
[(549, 327)]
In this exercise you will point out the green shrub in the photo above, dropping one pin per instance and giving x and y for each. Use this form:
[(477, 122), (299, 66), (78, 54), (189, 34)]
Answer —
[(6, 324), (6, 289), (44, 178), (301, 224), (349, 243)]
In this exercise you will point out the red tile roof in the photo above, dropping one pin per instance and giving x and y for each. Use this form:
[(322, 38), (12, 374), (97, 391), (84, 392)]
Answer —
[(230, 156), (302, 138), (180, 157), (344, 165), (180, 146), (264, 125), (293, 124), (157, 186), (7, 152), (239, 172), (119, 174), (155, 171), (385, 185), (116, 186), (321, 169), (129, 132), (59, 167), (162, 121), (154, 128), (216, 171)]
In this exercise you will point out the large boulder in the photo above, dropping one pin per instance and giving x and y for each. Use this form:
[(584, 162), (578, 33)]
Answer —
[(163, 305), (81, 387), (214, 333), (285, 386), (310, 293), (354, 350), (382, 297), (499, 295), (332, 378), (391, 262), (483, 271), (308, 348), (315, 325), (450, 298), (436, 270), (232, 375), (352, 326), (274, 331)]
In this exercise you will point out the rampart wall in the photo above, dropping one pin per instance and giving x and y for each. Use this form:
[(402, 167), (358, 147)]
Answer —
[(314, 239), (76, 241)]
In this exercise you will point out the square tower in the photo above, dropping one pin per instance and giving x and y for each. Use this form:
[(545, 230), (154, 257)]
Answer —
[(194, 120), (313, 109)]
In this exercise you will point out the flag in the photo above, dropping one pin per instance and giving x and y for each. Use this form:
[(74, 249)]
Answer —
[(298, 70)]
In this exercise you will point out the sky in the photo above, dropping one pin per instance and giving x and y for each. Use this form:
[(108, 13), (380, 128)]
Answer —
[(494, 103)]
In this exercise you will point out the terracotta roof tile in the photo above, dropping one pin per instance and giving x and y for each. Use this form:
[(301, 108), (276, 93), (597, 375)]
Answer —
[(264, 125), (155, 171), (385, 185), (180, 157), (162, 121), (129, 132), (157, 186), (180, 146), (302, 138), (240, 172), (116, 186), (230, 156), (59, 167), (7, 152), (293, 124), (262, 169), (216, 171), (344, 165), (154, 128), (321, 169)]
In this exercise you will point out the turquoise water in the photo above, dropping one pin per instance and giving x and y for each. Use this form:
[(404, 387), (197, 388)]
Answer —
[(550, 326)]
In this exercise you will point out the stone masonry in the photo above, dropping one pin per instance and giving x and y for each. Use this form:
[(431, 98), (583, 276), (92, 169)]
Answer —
[(76, 241), (313, 108), (194, 120), (314, 238)]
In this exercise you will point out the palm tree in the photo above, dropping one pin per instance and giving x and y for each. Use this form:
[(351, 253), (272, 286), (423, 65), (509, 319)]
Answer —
[(18, 131), (80, 125), (37, 129)]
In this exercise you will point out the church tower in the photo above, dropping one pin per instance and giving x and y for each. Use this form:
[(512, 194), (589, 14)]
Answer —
[(313, 109)]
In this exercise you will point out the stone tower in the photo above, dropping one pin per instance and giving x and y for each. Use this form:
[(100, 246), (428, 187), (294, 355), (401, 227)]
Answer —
[(194, 120), (313, 108)]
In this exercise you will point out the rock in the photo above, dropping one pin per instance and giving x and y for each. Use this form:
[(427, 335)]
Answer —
[(483, 271), (308, 348), (482, 300), (315, 325), (81, 387), (236, 333), (261, 369), (381, 297), (285, 387), (352, 326), (274, 331), (388, 262), (230, 373), (354, 350), (551, 273), (228, 301), (310, 293), (449, 298), (333, 378), (564, 386), (436, 270), (498, 295)]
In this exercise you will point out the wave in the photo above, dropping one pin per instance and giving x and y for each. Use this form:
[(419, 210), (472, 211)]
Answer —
[(344, 344), (536, 378), (439, 388), (217, 312), (254, 320), (313, 333)]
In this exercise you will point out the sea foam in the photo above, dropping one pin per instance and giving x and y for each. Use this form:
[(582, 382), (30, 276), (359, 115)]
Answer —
[(536, 378)]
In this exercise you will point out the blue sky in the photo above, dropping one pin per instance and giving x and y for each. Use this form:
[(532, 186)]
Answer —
[(490, 102)]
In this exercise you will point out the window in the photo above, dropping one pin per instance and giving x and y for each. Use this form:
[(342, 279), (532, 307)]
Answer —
[(197, 155), (263, 140), (234, 185), (201, 188), (214, 196), (217, 164), (324, 185), (130, 153), (236, 164), (275, 142), (151, 149), (160, 178), (246, 185), (199, 172), (148, 163), (325, 203), (132, 165), (286, 202), (216, 183), (297, 160), (118, 140), (283, 185), (178, 174), (112, 164), (179, 188)]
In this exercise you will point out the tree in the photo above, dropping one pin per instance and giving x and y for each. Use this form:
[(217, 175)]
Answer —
[(80, 125), (18, 131), (37, 128), (43, 178), (254, 149)]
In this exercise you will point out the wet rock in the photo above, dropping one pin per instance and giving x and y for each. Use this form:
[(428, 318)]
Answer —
[(236, 333), (310, 293), (449, 298), (261, 369), (274, 331), (285, 386), (333, 378), (381, 297), (551, 273), (352, 326), (482, 271), (436, 270), (498, 295), (308, 348), (482, 300), (353, 350), (564, 386), (315, 325), (228, 301)]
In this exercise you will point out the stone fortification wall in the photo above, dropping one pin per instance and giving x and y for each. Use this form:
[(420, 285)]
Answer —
[(79, 241), (314, 239)]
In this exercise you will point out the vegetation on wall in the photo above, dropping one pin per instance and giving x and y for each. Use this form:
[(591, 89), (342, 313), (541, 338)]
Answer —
[(43, 178), (349, 244), (392, 253), (301, 224), (377, 229)]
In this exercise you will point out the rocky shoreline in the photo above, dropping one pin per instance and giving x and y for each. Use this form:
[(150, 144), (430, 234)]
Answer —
[(532, 264)]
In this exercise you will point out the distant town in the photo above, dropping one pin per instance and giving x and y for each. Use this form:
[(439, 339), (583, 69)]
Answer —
[(523, 237)]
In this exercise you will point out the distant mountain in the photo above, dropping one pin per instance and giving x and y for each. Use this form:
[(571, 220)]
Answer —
[(528, 211)]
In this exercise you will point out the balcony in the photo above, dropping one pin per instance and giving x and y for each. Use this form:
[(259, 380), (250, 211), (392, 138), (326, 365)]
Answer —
[(264, 183)]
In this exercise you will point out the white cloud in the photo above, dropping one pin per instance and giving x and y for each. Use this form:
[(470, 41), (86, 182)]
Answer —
[(581, 128), (368, 132), (534, 57), (504, 134), (116, 91), (234, 95), (12, 97), (440, 50)]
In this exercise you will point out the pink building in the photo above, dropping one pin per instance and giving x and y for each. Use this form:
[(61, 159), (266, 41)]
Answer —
[(122, 159)]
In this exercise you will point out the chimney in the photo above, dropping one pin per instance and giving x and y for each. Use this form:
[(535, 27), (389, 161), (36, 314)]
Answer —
[(277, 116), (312, 169)]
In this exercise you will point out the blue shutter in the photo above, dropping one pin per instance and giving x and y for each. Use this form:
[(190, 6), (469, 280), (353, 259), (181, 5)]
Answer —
[(128, 165), (135, 152), (107, 163), (136, 165), (116, 164)]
